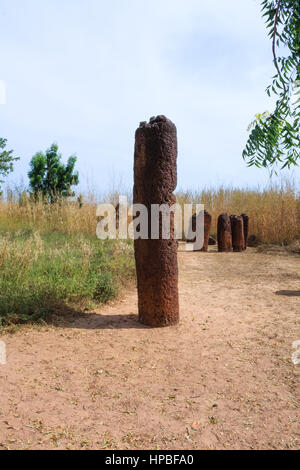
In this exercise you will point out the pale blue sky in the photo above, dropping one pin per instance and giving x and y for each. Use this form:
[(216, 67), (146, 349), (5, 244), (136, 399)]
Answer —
[(85, 73)]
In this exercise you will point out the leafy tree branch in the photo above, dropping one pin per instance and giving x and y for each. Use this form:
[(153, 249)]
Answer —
[(275, 137)]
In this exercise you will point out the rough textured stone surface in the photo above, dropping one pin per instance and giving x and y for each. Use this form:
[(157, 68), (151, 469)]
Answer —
[(246, 230), (207, 225), (192, 226), (237, 230), (155, 179), (224, 233)]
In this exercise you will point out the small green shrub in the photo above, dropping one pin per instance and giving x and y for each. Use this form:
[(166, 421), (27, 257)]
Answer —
[(105, 288)]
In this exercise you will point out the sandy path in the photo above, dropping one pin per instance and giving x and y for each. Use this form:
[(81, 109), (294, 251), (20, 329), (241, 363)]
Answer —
[(223, 378)]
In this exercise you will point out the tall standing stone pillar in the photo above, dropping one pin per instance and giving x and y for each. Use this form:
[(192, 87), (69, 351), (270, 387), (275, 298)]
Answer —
[(224, 233), (207, 227), (155, 179), (237, 230), (246, 229), (207, 218)]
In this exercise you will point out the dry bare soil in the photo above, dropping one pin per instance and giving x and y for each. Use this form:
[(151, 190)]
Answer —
[(222, 379)]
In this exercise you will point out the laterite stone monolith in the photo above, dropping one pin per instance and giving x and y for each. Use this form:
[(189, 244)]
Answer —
[(155, 179), (207, 226), (237, 230), (246, 230), (224, 233)]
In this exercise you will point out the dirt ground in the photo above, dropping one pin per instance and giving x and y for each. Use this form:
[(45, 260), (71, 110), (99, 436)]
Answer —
[(222, 379)]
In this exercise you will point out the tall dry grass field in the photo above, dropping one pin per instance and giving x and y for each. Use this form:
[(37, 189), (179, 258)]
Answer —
[(274, 212), (18, 212)]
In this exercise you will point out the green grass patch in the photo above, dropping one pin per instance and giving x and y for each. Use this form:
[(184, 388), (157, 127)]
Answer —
[(40, 273)]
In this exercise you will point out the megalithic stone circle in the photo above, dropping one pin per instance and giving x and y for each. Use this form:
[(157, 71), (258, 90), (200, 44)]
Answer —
[(224, 233), (246, 230), (237, 230), (155, 179)]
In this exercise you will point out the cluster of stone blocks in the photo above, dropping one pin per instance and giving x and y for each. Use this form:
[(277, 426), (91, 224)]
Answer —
[(233, 232)]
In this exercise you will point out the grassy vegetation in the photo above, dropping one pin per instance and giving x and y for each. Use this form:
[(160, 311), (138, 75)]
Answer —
[(274, 211), (41, 273)]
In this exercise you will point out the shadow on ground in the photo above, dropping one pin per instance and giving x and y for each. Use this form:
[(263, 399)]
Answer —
[(74, 319), (288, 293)]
